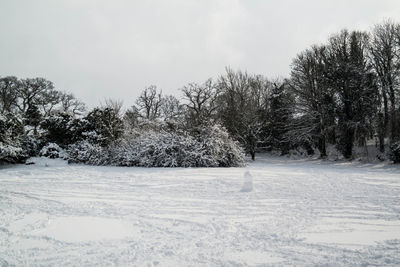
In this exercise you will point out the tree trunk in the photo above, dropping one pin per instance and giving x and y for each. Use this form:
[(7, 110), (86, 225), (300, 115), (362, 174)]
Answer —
[(393, 124), (253, 155), (348, 143), (381, 132), (322, 146)]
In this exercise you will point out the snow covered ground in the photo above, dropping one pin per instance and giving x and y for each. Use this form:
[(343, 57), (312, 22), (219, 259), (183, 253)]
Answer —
[(273, 212)]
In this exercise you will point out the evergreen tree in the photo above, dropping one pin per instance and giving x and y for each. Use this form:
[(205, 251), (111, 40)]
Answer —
[(104, 126), (33, 118)]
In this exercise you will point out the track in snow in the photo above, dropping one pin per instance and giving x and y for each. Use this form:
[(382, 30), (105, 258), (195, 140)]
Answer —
[(291, 212)]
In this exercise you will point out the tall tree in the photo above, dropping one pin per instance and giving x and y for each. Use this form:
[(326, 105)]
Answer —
[(105, 124), (33, 118), (243, 107), (385, 54), (350, 76), (280, 115), (315, 100)]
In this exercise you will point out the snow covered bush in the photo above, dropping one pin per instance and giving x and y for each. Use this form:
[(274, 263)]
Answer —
[(11, 132), (85, 152), (156, 149), (11, 153), (30, 145), (212, 147), (394, 153), (218, 149), (52, 150)]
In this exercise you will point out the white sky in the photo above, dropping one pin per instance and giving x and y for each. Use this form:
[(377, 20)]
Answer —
[(113, 49)]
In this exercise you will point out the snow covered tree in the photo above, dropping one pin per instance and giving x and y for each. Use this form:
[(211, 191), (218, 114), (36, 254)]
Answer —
[(11, 133), (103, 126), (33, 118), (62, 129)]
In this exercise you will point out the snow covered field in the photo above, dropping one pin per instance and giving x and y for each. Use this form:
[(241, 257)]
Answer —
[(274, 212)]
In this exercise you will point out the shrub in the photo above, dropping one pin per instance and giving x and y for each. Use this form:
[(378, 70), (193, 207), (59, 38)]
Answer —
[(155, 149), (52, 150), (85, 152), (211, 147), (30, 145), (394, 153), (11, 133)]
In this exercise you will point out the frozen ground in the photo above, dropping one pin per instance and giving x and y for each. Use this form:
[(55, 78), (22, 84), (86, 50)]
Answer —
[(274, 212)]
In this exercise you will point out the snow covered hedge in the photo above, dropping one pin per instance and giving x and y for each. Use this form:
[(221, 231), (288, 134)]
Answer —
[(52, 150), (11, 139), (85, 152), (212, 147)]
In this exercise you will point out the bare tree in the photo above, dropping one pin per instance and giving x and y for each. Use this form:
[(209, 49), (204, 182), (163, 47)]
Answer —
[(171, 108), (385, 55), (201, 102), (69, 104), (130, 118), (314, 97), (113, 104), (149, 103), (31, 91), (48, 100), (243, 107)]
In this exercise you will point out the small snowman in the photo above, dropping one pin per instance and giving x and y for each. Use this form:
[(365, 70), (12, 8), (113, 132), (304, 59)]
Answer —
[(247, 182)]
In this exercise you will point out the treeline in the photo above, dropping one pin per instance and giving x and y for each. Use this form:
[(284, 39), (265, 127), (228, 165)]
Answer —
[(341, 93), (158, 131)]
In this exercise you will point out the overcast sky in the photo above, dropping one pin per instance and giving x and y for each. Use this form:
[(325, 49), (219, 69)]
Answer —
[(113, 49)]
